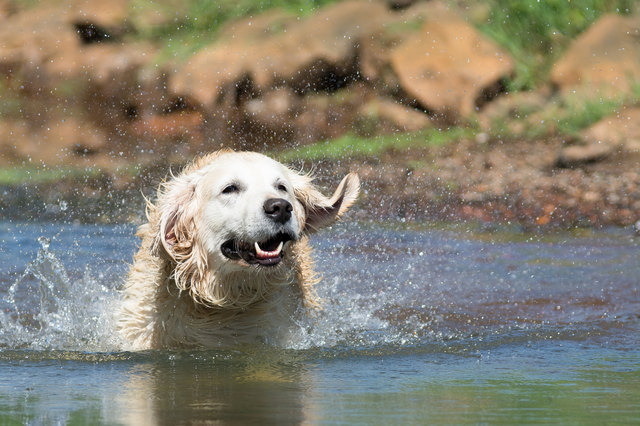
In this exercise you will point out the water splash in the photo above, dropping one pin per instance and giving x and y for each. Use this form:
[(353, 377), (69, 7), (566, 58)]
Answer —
[(378, 289), (46, 309)]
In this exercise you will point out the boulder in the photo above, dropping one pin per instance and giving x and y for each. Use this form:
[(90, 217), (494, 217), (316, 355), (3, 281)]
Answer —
[(316, 53), (515, 111), (111, 15), (620, 131), (5, 9), (50, 43), (448, 67), (605, 58), (55, 142), (580, 154), (401, 117)]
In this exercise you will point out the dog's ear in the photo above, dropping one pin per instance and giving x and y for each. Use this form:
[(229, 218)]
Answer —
[(176, 233), (320, 210), (176, 209)]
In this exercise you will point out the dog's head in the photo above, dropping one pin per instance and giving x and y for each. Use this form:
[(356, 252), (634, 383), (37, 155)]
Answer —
[(241, 211)]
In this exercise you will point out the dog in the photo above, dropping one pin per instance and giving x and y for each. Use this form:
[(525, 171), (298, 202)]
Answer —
[(225, 258)]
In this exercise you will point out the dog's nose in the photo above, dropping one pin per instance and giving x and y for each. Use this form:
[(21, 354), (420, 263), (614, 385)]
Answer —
[(278, 209)]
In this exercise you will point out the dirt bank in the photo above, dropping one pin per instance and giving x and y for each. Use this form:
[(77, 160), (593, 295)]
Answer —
[(93, 114), (492, 182)]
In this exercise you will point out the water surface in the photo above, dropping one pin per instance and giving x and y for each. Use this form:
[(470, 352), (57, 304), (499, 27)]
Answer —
[(420, 325)]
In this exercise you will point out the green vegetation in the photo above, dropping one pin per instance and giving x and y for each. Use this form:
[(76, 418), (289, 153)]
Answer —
[(577, 113), (37, 175), (188, 25), (354, 146), (535, 33), (10, 103), (563, 115)]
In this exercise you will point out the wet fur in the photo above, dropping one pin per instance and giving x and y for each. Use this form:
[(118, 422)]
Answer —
[(176, 293)]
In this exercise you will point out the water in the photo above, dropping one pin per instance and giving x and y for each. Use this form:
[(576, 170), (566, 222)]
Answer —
[(421, 325)]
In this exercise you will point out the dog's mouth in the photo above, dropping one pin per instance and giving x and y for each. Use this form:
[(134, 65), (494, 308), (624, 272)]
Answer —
[(265, 253)]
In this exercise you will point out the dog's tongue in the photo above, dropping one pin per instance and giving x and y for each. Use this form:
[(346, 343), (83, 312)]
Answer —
[(268, 254)]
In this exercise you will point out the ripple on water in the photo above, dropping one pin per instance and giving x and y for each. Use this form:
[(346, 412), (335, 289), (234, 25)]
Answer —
[(384, 289)]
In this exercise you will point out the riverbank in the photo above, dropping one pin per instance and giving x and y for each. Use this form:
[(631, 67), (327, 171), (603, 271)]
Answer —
[(493, 182), (448, 110)]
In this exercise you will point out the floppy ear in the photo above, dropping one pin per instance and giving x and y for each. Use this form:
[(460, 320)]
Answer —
[(175, 233), (176, 210), (320, 210)]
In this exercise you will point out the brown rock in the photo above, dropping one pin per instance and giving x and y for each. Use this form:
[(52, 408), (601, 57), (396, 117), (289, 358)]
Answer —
[(110, 15), (511, 109), (51, 43), (579, 154), (53, 143), (5, 9), (448, 66), (316, 53), (604, 58), (35, 37), (402, 117), (620, 131), (275, 105), (169, 126)]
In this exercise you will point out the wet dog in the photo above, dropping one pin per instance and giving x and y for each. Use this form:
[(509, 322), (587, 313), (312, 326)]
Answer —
[(224, 257)]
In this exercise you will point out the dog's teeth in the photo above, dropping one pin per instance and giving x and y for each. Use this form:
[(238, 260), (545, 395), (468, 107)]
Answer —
[(262, 254)]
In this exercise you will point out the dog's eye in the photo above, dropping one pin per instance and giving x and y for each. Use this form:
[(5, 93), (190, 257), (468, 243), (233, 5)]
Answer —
[(230, 189), (282, 188)]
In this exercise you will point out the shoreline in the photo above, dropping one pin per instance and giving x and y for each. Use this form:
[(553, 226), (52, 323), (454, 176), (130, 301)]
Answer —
[(512, 183)]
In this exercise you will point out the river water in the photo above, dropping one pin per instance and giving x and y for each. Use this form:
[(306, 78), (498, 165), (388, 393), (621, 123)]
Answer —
[(421, 324)]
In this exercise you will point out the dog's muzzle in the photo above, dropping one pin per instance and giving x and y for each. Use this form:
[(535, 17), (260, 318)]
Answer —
[(265, 253)]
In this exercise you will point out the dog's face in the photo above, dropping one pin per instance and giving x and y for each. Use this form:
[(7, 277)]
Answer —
[(243, 210), (250, 211)]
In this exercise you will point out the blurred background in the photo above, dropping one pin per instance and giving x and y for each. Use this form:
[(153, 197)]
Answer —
[(501, 110)]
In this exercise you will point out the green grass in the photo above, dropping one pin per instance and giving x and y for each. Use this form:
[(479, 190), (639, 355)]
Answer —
[(536, 33), (188, 25), (354, 146), (579, 113), (36, 175), (566, 115)]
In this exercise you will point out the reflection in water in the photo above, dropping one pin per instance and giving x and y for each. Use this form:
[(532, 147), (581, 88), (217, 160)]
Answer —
[(205, 386), (418, 325), (202, 387)]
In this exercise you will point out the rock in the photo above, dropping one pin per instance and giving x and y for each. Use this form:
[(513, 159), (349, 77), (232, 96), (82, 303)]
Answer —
[(53, 143), (271, 116), (400, 116), (110, 15), (400, 4), (605, 58), (620, 131), (33, 38), (52, 43), (5, 9), (169, 127), (513, 108), (275, 105), (317, 53), (579, 154), (448, 67)]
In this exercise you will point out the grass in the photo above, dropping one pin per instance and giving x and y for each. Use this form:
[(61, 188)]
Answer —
[(38, 175), (536, 33), (578, 114), (183, 27), (354, 146), (566, 115)]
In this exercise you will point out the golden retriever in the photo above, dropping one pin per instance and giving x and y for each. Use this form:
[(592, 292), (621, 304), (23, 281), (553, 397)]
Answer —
[(224, 257)]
